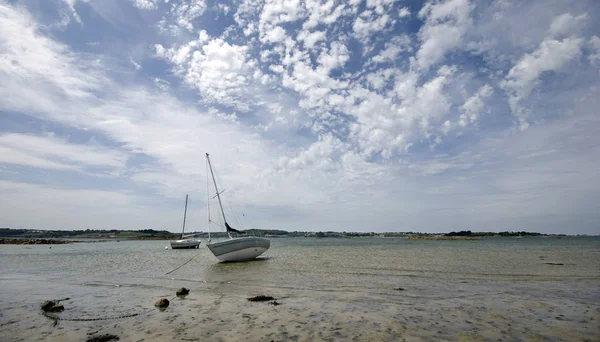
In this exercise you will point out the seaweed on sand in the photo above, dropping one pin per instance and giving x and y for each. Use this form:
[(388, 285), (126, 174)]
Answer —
[(260, 298), (103, 338)]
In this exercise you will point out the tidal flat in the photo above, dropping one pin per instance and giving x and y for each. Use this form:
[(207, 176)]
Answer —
[(327, 290)]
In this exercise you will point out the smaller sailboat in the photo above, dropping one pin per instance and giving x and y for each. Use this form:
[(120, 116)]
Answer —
[(238, 248), (185, 243)]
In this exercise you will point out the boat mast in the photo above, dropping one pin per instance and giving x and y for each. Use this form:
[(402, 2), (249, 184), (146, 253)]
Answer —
[(184, 215), (208, 200), (218, 194)]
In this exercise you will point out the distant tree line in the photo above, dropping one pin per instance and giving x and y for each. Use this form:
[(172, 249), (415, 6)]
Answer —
[(163, 234), (504, 234), (461, 233), (34, 233)]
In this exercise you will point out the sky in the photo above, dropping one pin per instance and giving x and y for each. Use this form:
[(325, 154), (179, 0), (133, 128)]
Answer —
[(376, 116)]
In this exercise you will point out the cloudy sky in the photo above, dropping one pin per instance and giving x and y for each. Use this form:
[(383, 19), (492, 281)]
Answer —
[(319, 115)]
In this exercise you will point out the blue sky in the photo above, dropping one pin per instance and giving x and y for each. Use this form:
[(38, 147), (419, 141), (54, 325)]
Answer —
[(319, 115)]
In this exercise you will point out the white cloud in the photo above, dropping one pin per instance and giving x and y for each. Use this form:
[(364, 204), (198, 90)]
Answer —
[(182, 16), (379, 127), (445, 25), (594, 43), (405, 85), (250, 29), (335, 57), (161, 84), (313, 84), (281, 11), (392, 49), (322, 12), (368, 23), (276, 12), (246, 13), (146, 4), (186, 12), (404, 12), (431, 168), (54, 153), (224, 8), (133, 117), (71, 5), (320, 152), (388, 127), (379, 6), (379, 79), (551, 55), (135, 64), (274, 35), (171, 134), (63, 208), (36, 66), (276, 68), (474, 105), (220, 71), (311, 38), (566, 24)]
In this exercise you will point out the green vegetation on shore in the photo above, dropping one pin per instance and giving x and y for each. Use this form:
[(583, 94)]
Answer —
[(484, 234), (144, 234), (150, 234)]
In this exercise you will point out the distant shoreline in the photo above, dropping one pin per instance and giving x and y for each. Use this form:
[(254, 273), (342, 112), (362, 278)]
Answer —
[(29, 236), (421, 237), (64, 241), (34, 241), (476, 238)]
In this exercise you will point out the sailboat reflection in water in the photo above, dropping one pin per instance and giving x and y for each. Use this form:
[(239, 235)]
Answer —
[(235, 248)]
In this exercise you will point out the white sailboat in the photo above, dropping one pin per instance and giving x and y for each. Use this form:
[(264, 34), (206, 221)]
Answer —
[(185, 243), (238, 248)]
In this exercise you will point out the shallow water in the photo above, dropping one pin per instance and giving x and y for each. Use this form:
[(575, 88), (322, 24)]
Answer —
[(329, 289)]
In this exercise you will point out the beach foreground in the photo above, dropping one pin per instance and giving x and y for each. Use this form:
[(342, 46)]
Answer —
[(327, 290)]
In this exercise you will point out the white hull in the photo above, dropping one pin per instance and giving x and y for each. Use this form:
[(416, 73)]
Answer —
[(185, 244), (242, 254), (239, 249)]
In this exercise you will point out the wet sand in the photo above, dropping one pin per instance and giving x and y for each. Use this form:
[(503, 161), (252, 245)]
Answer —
[(213, 312)]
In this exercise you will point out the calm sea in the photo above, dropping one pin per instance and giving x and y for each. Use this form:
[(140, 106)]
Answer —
[(365, 289)]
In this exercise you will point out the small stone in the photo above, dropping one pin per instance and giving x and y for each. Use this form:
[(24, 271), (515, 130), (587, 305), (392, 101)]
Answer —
[(399, 289), (182, 291), (162, 303), (274, 303)]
